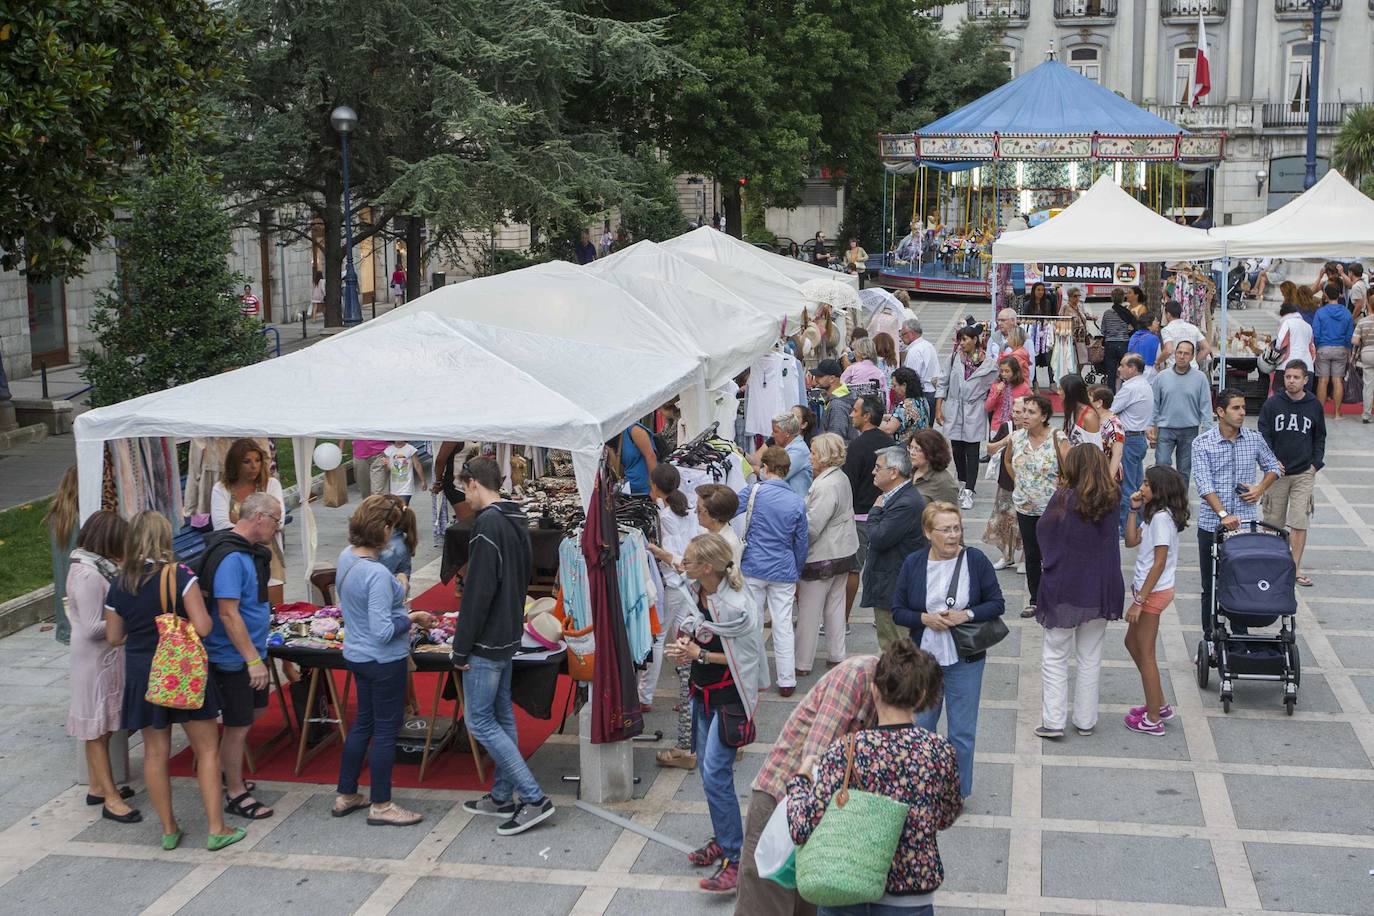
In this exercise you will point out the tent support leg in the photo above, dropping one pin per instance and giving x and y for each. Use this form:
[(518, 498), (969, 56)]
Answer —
[(1225, 305)]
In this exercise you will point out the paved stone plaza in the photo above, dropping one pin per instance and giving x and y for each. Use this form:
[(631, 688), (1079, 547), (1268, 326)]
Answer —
[(1242, 813)]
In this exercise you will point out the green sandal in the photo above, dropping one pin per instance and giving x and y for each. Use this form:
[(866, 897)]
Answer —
[(171, 841), (218, 841)]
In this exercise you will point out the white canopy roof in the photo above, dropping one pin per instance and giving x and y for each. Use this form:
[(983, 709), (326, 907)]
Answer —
[(1331, 219), (383, 379), (741, 268), (730, 331), (796, 271), (1106, 224)]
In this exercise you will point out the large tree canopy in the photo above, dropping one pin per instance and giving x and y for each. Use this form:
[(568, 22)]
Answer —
[(87, 87)]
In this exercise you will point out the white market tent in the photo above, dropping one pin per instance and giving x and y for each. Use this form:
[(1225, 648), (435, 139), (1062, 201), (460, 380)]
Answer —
[(730, 331), (1105, 224), (796, 271), (498, 385), (742, 269), (1331, 219)]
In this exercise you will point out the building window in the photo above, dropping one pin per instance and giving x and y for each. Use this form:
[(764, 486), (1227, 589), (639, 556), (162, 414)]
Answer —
[(1298, 79), (1086, 62), (1184, 59), (1009, 54)]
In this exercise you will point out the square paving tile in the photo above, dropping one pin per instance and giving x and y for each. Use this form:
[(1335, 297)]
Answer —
[(1340, 615), (657, 859), (1121, 687), (1314, 695), (1000, 681), (444, 896), (1011, 646), (311, 830), (1314, 879), (1354, 651), (636, 902), (745, 770), (996, 732), (991, 789), (287, 889), (975, 859), (1111, 738), (1133, 796), (190, 813), (1288, 742), (1365, 685), (962, 911), (1302, 804), (575, 839), (769, 719), (1182, 871), (62, 885)]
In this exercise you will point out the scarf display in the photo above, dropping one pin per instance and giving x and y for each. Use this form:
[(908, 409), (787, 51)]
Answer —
[(615, 686), (145, 476)]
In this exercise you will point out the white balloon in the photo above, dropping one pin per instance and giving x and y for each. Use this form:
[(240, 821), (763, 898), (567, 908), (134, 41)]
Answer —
[(328, 456)]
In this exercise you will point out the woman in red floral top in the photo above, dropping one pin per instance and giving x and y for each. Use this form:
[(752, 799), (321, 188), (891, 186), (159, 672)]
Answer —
[(901, 761)]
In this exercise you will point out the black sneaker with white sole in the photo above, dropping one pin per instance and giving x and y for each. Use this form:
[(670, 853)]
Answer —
[(527, 816), (490, 807)]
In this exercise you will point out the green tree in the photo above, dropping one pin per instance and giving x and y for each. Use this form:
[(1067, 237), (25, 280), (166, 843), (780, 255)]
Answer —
[(172, 316), (1353, 154), (464, 115), (88, 89), (654, 211)]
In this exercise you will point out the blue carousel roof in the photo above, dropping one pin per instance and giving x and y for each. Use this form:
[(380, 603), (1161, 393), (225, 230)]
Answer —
[(1052, 100)]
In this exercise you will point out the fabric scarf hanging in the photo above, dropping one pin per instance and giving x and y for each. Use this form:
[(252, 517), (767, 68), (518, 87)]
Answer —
[(615, 689), (439, 512)]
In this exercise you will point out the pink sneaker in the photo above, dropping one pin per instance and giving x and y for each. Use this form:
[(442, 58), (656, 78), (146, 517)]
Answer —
[(1144, 726), (1166, 712)]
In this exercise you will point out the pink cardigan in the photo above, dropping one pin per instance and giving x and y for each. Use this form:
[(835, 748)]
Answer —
[(995, 395)]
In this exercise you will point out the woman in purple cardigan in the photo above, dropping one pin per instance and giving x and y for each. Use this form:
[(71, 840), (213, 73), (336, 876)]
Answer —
[(919, 603), (1081, 587)]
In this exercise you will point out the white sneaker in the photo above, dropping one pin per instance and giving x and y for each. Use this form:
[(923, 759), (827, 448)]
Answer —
[(1021, 568), (965, 499), (1003, 563)]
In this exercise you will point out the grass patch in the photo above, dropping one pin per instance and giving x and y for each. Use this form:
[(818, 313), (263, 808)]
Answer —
[(25, 558)]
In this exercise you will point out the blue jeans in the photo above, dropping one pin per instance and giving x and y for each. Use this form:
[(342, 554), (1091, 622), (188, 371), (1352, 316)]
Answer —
[(963, 685), (717, 765), (1178, 440), (876, 909), (490, 718), (1132, 472), (381, 706)]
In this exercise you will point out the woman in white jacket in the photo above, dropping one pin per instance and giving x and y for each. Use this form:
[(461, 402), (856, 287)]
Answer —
[(830, 557)]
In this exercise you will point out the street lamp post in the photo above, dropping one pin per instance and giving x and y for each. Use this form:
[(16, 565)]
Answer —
[(345, 119), (1309, 176)]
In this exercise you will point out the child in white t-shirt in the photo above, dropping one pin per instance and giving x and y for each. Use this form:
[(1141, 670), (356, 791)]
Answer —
[(1161, 504), (404, 469)]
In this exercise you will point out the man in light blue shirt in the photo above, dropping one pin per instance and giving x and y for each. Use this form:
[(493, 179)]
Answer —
[(787, 433)]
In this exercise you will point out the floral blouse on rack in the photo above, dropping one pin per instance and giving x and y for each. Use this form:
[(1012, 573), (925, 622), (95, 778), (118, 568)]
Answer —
[(902, 762)]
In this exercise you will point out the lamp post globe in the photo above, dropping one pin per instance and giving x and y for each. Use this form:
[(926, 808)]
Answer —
[(344, 120)]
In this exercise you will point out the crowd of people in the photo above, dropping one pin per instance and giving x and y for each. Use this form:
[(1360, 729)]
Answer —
[(853, 504)]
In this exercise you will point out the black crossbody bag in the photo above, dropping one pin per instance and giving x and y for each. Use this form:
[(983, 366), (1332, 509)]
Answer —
[(972, 637)]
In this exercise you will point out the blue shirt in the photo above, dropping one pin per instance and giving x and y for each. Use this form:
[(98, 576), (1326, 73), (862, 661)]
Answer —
[(376, 625), (1333, 326), (799, 471), (394, 556), (1220, 464), (1146, 343), (237, 578), (633, 465), (776, 538)]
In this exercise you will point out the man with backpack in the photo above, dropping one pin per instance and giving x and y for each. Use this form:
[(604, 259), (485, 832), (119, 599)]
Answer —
[(233, 574)]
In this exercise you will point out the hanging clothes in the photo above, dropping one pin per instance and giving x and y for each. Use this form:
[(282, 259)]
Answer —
[(615, 687), (766, 394), (1064, 356)]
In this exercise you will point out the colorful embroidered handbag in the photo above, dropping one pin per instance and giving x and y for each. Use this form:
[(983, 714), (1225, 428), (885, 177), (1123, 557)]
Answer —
[(180, 667)]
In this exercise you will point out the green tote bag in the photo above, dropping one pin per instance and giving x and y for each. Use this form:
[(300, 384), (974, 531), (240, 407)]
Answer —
[(849, 854)]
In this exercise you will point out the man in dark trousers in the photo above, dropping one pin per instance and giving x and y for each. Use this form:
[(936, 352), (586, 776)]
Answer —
[(490, 622), (865, 416), (894, 533), (1294, 425)]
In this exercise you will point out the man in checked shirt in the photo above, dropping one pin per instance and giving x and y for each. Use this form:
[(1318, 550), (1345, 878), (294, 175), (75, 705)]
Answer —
[(839, 704)]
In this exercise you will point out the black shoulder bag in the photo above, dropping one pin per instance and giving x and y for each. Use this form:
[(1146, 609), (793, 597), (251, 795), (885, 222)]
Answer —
[(972, 637)]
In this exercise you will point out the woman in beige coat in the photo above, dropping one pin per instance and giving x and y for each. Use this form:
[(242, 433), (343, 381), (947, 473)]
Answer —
[(831, 556)]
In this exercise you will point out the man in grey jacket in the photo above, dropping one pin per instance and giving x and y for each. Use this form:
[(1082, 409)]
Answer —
[(894, 532), (1183, 399), (839, 402)]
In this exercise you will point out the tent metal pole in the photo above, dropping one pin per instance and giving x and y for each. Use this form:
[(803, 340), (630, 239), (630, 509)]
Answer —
[(882, 227), (1225, 304)]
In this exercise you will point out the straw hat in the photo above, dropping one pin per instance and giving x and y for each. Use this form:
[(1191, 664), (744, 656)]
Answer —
[(536, 606), (545, 630)]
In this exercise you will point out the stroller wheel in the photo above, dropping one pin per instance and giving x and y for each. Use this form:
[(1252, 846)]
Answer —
[(1225, 702), (1289, 703), (1203, 664), (1295, 662)]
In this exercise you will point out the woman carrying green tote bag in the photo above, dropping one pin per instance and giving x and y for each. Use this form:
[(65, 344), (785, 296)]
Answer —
[(865, 824)]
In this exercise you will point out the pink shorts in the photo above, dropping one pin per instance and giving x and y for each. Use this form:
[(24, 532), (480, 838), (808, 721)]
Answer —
[(1156, 602)]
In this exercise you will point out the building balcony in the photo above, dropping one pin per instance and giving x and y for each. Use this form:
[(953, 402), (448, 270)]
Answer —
[(1289, 114), (1181, 11), (1080, 10), (1205, 118), (1014, 12), (1302, 9)]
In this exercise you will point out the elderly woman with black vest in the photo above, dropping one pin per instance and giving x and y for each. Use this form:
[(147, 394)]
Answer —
[(894, 532), (939, 588)]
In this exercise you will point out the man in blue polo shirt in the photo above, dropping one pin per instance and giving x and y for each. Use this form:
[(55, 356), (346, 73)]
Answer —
[(234, 574)]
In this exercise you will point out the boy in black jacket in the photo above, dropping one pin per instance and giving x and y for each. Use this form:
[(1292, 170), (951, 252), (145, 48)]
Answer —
[(1294, 425), (490, 621)]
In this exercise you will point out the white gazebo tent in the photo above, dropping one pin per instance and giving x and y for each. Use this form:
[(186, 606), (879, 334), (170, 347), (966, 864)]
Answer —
[(741, 268), (796, 271), (1331, 219)]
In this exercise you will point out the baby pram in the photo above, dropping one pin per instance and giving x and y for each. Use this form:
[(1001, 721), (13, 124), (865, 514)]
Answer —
[(1254, 584)]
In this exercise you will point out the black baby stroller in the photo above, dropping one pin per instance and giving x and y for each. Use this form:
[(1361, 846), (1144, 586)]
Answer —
[(1254, 584)]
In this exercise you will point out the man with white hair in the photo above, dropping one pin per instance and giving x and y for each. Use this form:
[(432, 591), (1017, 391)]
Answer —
[(922, 358), (1000, 339), (787, 434)]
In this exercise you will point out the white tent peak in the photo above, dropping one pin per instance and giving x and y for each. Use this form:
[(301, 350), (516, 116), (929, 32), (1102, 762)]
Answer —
[(1331, 219)]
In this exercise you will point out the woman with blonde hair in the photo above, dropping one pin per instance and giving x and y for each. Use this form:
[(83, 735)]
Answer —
[(722, 639), (97, 683), (247, 470), (132, 607), (832, 553), (62, 520)]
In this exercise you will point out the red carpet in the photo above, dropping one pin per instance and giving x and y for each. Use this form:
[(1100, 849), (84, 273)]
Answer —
[(451, 769)]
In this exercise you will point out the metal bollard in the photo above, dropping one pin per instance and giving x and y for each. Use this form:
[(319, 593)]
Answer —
[(303, 314), (43, 374)]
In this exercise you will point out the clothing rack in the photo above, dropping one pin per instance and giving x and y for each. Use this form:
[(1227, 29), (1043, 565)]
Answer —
[(699, 439)]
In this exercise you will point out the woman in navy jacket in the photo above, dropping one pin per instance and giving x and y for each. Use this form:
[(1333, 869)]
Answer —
[(918, 602)]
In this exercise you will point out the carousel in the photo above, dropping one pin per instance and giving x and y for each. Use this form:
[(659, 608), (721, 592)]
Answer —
[(1013, 159)]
